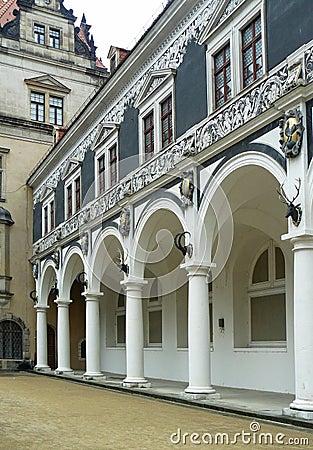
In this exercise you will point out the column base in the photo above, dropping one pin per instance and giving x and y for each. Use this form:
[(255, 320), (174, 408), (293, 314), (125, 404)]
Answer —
[(63, 370), (201, 393), (42, 368), (307, 415), (91, 375), (136, 382)]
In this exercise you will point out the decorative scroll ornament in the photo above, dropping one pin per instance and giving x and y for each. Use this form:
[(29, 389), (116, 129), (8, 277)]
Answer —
[(291, 133), (124, 226), (85, 243), (186, 188)]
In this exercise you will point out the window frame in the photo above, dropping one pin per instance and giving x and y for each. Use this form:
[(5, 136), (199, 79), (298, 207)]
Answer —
[(150, 102), (56, 109), (231, 31), (103, 152), (154, 304), (70, 184), (222, 70), (273, 286), (37, 35), (36, 105), (55, 38), (47, 96), (120, 311), (48, 214), (252, 44)]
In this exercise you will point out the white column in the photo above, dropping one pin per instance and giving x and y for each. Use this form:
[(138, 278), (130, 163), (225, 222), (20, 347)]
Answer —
[(198, 332), (303, 326), (92, 334), (41, 342), (63, 333), (134, 334)]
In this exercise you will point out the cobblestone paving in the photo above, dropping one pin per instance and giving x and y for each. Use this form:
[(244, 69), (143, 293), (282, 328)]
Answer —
[(45, 413)]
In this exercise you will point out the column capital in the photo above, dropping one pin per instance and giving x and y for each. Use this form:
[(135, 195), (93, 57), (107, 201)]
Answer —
[(302, 242), (63, 302), (41, 308), (135, 283), (92, 296), (196, 268)]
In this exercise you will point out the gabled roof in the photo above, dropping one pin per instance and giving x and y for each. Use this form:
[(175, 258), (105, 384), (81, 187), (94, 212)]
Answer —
[(6, 11)]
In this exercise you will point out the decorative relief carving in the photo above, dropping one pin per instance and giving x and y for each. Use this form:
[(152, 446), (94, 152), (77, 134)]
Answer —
[(186, 188), (232, 117), (124, 226)]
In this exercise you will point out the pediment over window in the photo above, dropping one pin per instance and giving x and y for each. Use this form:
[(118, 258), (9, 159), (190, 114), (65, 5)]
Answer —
[(104, 131), (222, 13), (47, 82), (70, 167), (153, 82), (47, 190)]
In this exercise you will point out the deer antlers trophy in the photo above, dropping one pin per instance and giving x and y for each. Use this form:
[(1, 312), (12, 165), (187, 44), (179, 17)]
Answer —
[(293, 211), (120, 262)]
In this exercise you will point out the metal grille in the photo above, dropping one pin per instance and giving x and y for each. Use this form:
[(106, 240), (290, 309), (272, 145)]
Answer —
[(11, 338)]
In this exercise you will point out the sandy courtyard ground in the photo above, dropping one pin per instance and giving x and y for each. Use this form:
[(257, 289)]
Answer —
[(46, 413)]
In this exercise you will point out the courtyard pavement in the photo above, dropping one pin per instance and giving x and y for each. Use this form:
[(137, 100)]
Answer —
[(47, 413), (244, 402)]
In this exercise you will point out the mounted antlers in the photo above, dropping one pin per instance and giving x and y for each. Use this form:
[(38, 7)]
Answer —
[(121, 262), (293, 211)]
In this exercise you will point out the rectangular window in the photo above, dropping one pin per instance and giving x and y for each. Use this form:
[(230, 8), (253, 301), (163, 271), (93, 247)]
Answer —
[(155, 327), (252, 52), (56, 110), (77, 194), (113, 165), (69, 197), (222, 76), (166, 122), (268, 315), (121, 329), (37, 106), (54, 36), (101, 174), (148, 136), (39, 34)]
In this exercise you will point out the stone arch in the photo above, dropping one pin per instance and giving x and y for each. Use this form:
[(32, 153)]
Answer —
[(72, 265), (216, 215), (153, 242), (47, 281), (105, 250)]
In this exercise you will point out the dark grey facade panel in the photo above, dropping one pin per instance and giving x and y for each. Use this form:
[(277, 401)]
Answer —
[(128, 142), (37, 226), (59, 203), (88, 178), (288, 27), (191, 89)]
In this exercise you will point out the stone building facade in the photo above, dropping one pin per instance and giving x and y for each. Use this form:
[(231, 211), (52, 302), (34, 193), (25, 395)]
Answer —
[(182, 241), (48, 70)]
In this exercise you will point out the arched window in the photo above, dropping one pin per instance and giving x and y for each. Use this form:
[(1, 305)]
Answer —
[(11, 340), (267, 298)]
